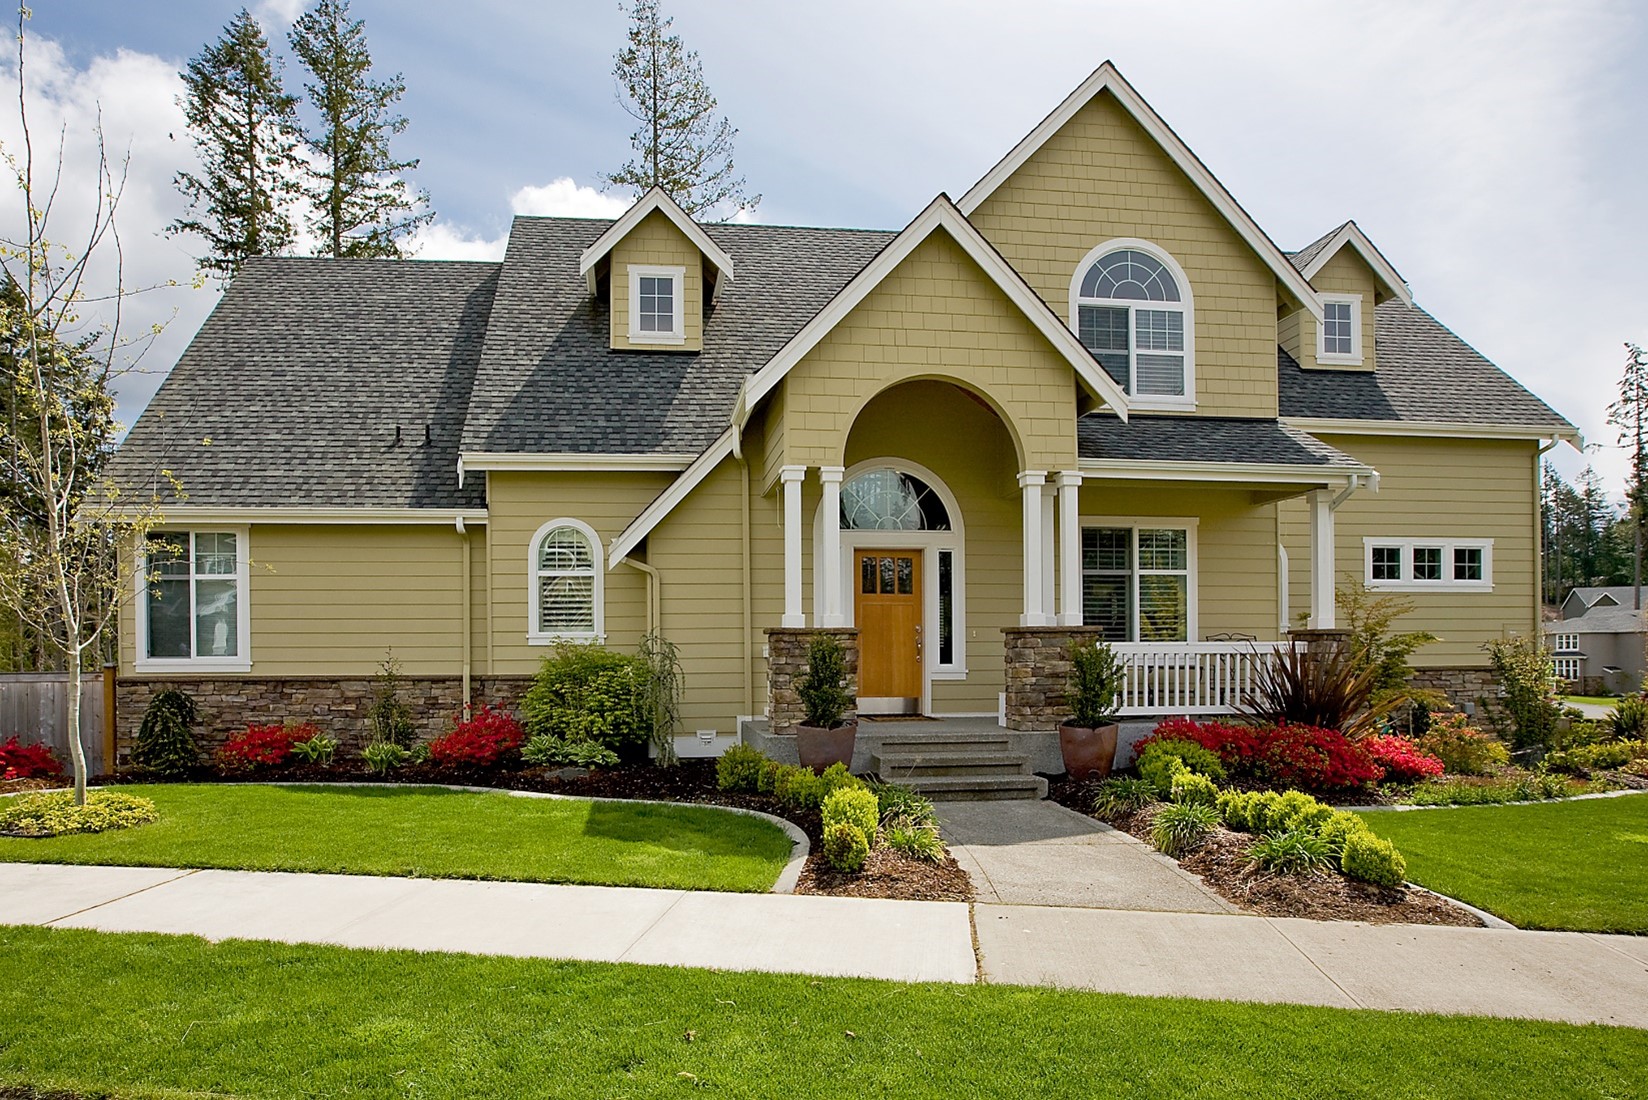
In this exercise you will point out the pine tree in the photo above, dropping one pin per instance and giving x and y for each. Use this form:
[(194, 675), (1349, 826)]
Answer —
[(245, 130), (682, 145), (1630, 415), (363, 205)]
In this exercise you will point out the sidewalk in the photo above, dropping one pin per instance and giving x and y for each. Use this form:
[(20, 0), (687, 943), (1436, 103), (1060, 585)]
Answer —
[(1563, 976)]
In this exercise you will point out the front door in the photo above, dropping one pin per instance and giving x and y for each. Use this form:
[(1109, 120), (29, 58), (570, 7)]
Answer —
[(887, 611)]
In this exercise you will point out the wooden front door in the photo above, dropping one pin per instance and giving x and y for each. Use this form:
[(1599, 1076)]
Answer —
[(887, 611)]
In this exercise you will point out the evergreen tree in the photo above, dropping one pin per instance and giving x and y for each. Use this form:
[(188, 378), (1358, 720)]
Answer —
[(245, 129), (1630, 415), (682, 145), (362, 203)]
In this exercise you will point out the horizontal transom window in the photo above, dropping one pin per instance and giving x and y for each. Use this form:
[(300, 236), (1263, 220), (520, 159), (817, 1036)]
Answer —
[(1423, 564)]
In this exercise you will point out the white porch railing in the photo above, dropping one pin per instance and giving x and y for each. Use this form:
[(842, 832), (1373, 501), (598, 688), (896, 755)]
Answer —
[(1190, 677)]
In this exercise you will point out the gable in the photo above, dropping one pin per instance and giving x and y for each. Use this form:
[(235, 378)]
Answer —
[(1343, 275), (656, 246)]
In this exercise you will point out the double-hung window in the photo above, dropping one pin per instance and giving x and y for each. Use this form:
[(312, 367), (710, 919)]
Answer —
[(1339, 340), (1132, 310), (656, 310), (1418, 565), (193, 610), (1138, 580)]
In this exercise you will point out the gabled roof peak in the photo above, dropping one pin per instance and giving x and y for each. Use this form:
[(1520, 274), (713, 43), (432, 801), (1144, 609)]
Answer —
[(657, 199), (1315, 256)]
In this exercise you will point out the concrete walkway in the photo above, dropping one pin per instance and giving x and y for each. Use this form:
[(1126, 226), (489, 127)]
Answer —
[(1028, 852)]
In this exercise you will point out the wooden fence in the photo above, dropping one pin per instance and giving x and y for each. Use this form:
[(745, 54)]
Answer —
[(35, 707)]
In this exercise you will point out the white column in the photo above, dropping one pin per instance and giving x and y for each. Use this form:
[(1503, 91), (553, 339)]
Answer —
[(827, 609), (1035, 613), (1049, 545), (1070, 603), (1320, 502), (791, 477)]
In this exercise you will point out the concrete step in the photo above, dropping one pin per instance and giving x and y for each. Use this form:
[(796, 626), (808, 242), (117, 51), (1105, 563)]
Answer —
[(942, 740), (976, 788), (908, 762)]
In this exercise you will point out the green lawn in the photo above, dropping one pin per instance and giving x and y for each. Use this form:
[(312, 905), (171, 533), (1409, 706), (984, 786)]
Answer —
[(140, 1014), (1596, 700), (431, 832), (1575, 865)]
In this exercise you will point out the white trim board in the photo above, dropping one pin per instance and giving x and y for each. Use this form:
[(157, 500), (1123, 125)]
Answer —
[(1128, 469), (1351, 234), (1439, 429), (665, 502), (655, 199), (195, 515), (241, 661), (1108, 78), (572, 461)]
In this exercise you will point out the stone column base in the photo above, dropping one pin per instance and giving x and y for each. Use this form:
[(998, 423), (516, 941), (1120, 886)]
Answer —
[(787, 661), (1038, 673)]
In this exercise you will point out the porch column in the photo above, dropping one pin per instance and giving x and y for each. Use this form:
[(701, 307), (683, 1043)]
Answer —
[(1320, 503), (791, 477), (1070, 602), (827, 610), (1049, 546), (1035, 612)]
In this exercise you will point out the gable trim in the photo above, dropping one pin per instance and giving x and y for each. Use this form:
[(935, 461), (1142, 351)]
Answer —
[(1351, 234), (570, 461), (630, 537), (655, 199), (1436, 429), (1128, 469), (1107, 78)]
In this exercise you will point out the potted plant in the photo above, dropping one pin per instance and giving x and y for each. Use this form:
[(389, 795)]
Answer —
[(1088, 740), (824, 738)]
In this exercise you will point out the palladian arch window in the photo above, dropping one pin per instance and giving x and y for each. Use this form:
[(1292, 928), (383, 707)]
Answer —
[(1133, 312), (566, 583), (891, 500)]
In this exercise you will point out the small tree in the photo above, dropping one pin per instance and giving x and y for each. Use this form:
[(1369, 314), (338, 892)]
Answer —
[(682, 144), (1095, 684), (390, 717), (362, 204), (822, 688), (165, 739), (1375, 644), (1527, 706), (1630, 415), (662, 693)]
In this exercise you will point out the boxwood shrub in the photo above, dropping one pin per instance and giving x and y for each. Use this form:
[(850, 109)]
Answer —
[(587, 693)]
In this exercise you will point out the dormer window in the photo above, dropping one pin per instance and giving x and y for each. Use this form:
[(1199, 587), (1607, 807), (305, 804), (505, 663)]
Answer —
[(1131, 307), (656, 313), (1340, 338)]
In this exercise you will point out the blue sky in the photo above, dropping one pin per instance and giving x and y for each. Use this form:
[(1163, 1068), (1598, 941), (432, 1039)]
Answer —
[(1494, 150)]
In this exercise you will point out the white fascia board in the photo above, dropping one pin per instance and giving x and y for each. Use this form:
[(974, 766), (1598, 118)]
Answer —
[(655, 199), (940, 213), (1266, 473), (473, 460), (1107, 78), (1351, 234), (192, 514), (1433, 429), (666, 501)]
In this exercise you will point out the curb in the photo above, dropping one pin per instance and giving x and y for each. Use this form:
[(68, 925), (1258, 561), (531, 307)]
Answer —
[(1491, 922)]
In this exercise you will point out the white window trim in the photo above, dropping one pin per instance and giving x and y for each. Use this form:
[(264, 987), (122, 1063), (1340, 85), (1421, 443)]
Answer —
[(1572, 647), (1559, 665), (1354, 359), (1407, 583), (1189, 525), (677, 334), (536, 635), (1144, 402), (242, 662)]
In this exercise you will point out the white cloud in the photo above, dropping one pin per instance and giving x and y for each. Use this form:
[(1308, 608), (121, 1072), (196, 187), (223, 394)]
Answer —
[(444, 241), (284, 11), (565, 198)]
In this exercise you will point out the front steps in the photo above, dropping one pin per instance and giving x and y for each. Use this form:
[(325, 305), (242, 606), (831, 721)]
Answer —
[(970, 766)]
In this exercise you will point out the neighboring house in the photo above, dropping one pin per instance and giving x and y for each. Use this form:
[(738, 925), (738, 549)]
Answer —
[(1090, 397), (1598, 643)]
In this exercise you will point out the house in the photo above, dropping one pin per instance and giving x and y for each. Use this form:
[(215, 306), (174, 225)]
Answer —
[(1598, 643), (1089, 398)]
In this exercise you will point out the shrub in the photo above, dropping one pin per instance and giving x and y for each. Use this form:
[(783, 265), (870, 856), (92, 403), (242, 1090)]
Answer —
[(1326, 687), (824, 697), (1527, 699), (1629, 718), (384, 756), (1190, 787), (1402, 760), (799, 788), (1180, 826), (661, 689), (20, 761), (390, 717), (1373, 859), (1318, 759), (914, 839), (1236, 809), (1294, 852), (1119, 796), (855, 806), (479, 741), (261, 747), (1521, 789), (587, 693), (1160, 760), (835, 777), (770, 770), (1462, 748), (53, 813), (1096, 677), (545, 751), (165, 738), (902, 804), (739, 769), (318, 749), (1240, 748), (1339, 828), (845, 847)]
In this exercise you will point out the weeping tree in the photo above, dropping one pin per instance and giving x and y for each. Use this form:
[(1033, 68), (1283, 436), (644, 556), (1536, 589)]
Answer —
[(62, 526)]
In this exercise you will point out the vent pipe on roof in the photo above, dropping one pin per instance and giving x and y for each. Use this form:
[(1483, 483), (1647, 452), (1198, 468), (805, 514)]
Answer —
[(397, 442), (428, 435)]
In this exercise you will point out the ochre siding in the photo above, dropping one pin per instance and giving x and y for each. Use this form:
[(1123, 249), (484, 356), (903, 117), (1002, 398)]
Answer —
[(657, 242), (1346, 273), (1101, 177), (1438, 488)]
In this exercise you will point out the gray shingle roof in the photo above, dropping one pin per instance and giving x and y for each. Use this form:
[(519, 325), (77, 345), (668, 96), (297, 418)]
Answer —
[(1601, 620), (1203, 439), (1424, 373), (300, 377), (549, 383), (1301, 259)]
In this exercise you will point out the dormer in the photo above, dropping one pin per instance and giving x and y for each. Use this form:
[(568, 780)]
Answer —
[(660, 273), (1352, 278)]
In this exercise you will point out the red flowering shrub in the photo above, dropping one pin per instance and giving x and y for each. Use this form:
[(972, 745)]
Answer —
[(261, 747), (1241, 749), (20, 761), (479, 741), (1315, 759), (1403, 761)]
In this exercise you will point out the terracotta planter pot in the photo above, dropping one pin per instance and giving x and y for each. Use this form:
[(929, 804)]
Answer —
[(1088, 753), (819, 748)]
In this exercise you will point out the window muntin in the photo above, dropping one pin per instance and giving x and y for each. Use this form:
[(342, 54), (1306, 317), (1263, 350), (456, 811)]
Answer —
[(1136, 582), (655, 304), (1566, 668), (1133, 316), (886, 499), (1564, 643), (946, 607), (1427, 563), (193, 599), (1468, 563), (1339, 338), (1419, 565), (566, 583), (1385, 563)]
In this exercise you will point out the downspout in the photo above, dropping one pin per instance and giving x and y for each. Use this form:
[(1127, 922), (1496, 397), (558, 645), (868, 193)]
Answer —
[(655, 608), (744, 549), (466, 625)]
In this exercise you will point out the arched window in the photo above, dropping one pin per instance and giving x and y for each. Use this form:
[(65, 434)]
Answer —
[(886, 499), (566, 583), (1131, 307)]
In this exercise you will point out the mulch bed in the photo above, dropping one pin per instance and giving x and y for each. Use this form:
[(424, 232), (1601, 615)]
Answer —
[(1221, 862), (18, 786), (888, 874)]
